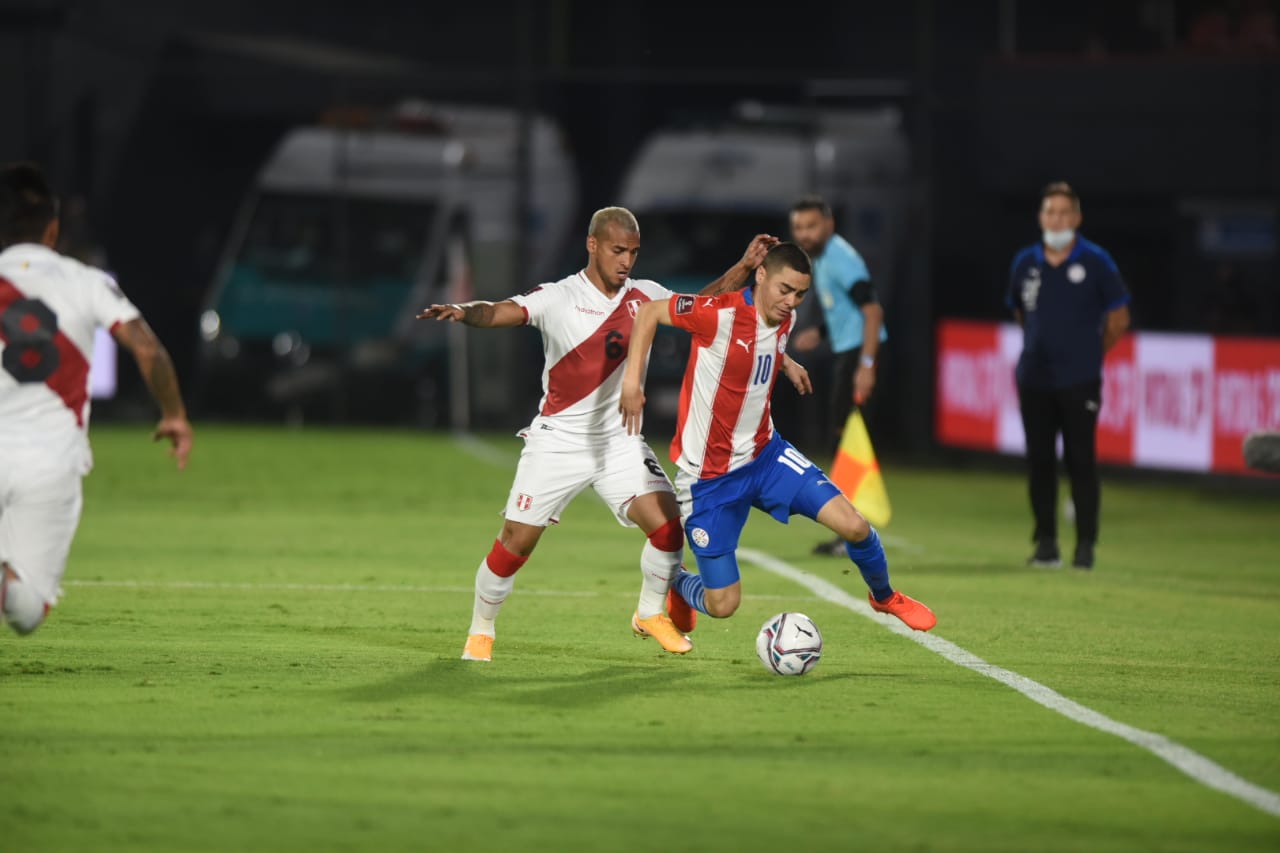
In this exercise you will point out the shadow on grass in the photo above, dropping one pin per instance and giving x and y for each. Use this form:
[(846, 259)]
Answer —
[(456, 678), (813, 681)]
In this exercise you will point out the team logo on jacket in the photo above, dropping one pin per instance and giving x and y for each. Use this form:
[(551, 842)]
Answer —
[(523, 501), (1075, 273), (633, 307), (684, 304), (700, 537)]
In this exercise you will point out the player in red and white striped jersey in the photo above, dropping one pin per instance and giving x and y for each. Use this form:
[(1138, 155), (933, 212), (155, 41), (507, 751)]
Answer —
[(577, 440), (728, 454), (50, 307)]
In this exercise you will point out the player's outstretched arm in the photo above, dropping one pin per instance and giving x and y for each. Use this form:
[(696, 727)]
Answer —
[(797, 374), (740, 272), (482, 315), (157, 371), (642, 332)]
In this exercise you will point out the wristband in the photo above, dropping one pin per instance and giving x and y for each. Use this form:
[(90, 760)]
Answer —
[(867, 361)]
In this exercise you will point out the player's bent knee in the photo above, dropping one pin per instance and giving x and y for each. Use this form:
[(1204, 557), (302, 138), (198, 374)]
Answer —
[(24, 609), (840, 516), (519, 539), (859, 528), (722, 611), (723, 603)]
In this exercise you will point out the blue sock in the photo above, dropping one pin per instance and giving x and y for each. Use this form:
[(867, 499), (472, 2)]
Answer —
[(691, 589), (868, 556)]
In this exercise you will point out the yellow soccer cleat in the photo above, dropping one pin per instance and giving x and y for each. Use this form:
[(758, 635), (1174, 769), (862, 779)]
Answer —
[(661, 628), (478, 647)]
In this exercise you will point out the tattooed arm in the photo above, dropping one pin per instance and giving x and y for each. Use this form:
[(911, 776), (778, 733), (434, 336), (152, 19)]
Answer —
[(740, 273), (157, 371)]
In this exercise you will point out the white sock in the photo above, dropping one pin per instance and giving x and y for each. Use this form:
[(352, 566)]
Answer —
[(491, 591), (657, 568)]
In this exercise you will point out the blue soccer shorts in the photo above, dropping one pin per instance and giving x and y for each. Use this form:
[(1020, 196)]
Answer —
[(780, 481)]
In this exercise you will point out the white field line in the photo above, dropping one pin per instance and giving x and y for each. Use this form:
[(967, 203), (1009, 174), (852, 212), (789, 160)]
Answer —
[(313, 587), (905, 545), (1191, 763), (482, 450), (352, 587)]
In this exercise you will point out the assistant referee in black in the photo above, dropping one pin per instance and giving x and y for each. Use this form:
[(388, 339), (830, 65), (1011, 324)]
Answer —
[(1073, 306)]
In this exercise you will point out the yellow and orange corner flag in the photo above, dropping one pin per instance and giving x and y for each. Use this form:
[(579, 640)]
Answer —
[(856, 472)]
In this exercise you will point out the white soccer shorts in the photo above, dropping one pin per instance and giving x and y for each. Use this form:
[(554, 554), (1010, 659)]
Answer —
[(40, 501), (554, 467)]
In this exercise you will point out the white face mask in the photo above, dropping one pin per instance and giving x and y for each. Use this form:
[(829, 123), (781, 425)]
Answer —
[(1059, 240)]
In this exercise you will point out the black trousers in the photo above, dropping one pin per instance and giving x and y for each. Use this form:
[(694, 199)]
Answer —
[(1073, 412), (840, 395)]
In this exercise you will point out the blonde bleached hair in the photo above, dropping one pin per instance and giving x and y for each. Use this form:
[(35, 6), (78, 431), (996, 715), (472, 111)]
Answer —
[(606, 216)]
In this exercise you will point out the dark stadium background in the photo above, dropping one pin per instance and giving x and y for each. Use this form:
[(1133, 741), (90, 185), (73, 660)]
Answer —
[(155, 115)]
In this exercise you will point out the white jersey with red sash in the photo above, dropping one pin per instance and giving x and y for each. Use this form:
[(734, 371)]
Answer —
[(585, 335), (50, 306)]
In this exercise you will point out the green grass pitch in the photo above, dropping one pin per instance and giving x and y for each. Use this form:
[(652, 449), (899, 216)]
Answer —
[(261, 654)]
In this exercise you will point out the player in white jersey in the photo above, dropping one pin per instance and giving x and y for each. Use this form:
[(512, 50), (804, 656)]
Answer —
[(577, 440), (50, 307), (728, 455)]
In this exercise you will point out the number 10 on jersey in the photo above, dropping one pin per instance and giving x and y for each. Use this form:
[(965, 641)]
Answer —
[(764, 369)]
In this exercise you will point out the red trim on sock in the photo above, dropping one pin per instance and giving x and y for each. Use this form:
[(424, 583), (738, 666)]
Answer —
[(502, 562), (669, 537)]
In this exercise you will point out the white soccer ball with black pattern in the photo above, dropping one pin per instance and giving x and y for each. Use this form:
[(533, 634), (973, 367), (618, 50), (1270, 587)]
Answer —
[(789, 644)]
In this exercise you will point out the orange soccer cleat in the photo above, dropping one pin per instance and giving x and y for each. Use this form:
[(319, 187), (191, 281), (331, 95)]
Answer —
[(684, 617), (478, 647), (911, 612), (661, 629)]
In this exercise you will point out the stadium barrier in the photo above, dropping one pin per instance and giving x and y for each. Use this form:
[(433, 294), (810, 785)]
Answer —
[(1169, 401)]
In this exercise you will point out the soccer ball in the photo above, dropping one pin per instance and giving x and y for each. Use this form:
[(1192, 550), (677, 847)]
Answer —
[(789, 644)]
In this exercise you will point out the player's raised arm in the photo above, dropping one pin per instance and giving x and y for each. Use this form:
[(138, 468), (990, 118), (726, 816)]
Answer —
[(482, 315), (746, 265), (157, 371), (642, 332)]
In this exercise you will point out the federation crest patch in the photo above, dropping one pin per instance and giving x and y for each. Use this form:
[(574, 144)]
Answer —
[(782, 342), (633, 307), (700, 537), (523, 501), (684, 304), (1076, 273)]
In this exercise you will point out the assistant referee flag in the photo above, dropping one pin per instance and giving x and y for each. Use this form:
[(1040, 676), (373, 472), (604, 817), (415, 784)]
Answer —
[(856, 472)]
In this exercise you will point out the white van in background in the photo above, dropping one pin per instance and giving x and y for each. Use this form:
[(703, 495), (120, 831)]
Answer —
[(352, 226), (701, 192)]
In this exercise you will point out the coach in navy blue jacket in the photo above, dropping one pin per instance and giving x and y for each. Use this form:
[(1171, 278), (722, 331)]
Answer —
[(1073, 306)]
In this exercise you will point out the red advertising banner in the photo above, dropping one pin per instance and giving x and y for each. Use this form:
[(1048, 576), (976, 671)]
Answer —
[(966, 400), (1119, 403), (1183, 402), (1246, 381)]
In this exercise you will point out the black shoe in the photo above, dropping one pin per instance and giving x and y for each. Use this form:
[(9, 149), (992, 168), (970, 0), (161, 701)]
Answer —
[(1046, 555), (1084, 556), (834, 548)]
